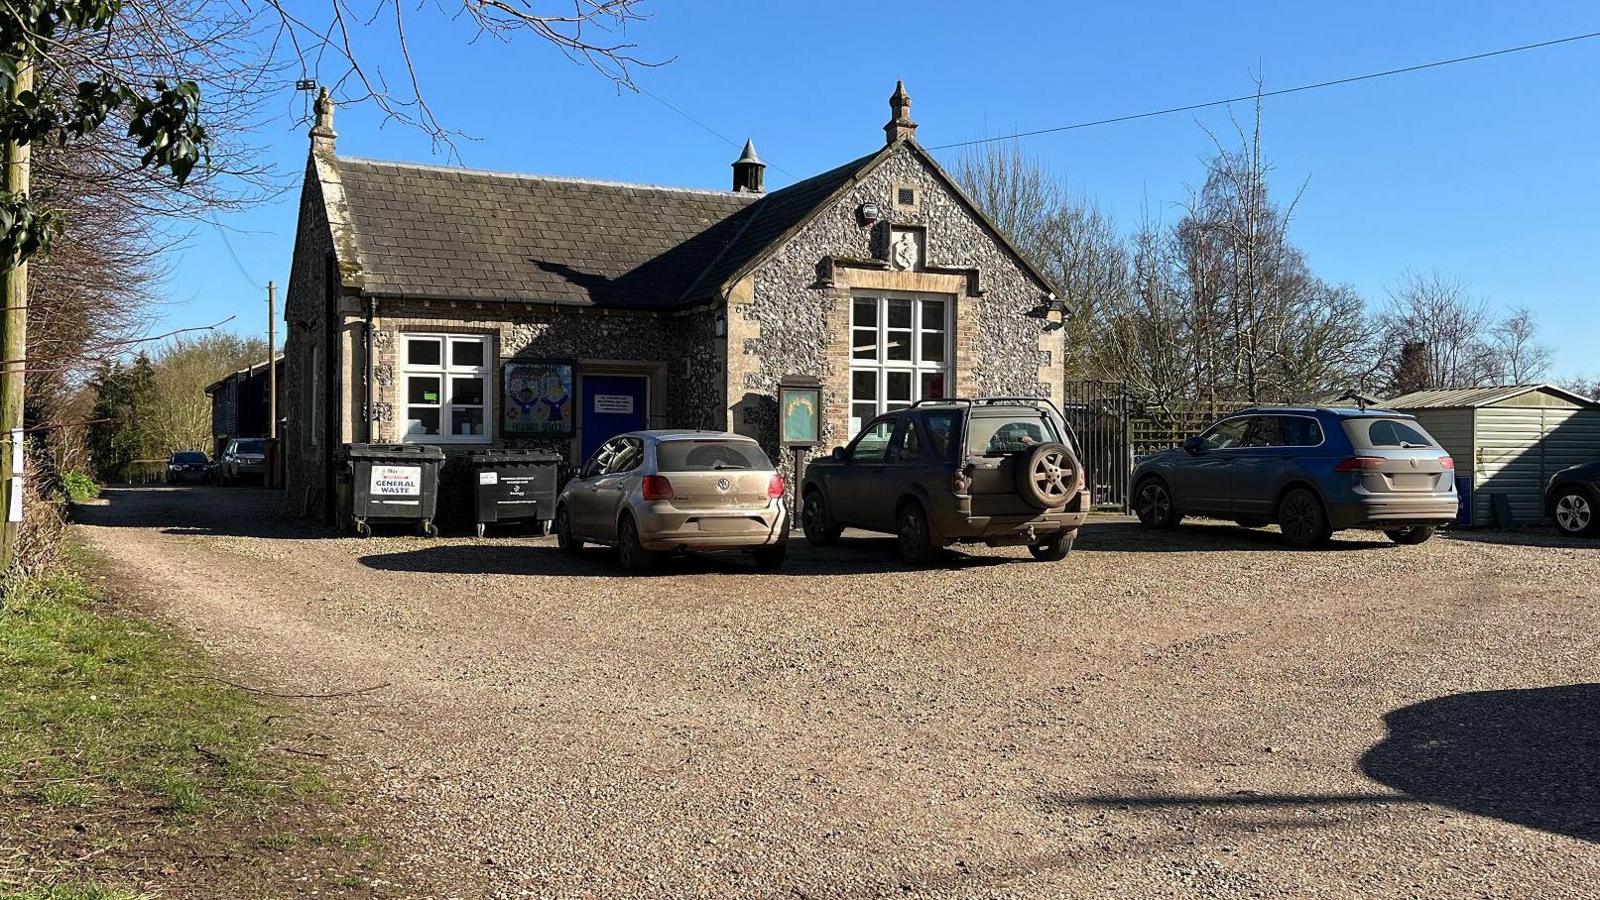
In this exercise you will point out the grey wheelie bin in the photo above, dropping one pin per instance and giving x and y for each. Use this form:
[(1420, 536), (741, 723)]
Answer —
[(388, 483), (513, 486)]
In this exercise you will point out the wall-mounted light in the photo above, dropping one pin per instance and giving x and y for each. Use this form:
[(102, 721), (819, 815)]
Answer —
[(1053, 310), (870, 213)]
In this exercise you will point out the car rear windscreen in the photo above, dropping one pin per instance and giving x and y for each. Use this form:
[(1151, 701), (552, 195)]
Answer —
[(189, 457), (1387, 434), (256, 446), (991, 435), (710, 455)]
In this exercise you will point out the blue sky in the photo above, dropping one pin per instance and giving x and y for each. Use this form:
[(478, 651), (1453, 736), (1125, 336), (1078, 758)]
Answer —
[(1487, 171)]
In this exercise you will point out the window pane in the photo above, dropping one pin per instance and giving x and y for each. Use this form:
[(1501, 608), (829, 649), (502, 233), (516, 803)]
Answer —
[(466, 422), (422, 352), (467, 391), (864, 343), (864, 384), (422, 389), (994, 435), (466, 353), (941, 428), (1263, 431), (865, 313), (910, 446), (933, 346), (874, 443), (933, 315), (1225, 434), (897, 387), (859, 413), (899, 313), (422, 422), (932, 386), (898, 346)]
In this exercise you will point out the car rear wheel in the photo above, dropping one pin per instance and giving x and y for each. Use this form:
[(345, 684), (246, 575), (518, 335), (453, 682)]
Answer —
[(1055, 549), (1303, 520), (913, 540), (821, 529), (635, 558), (1575, 512), (564, 539), (1153, 504), (1416, 534)]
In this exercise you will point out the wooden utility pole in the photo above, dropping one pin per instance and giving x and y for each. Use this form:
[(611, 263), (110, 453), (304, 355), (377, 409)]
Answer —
[(272, 362), (14, 346)]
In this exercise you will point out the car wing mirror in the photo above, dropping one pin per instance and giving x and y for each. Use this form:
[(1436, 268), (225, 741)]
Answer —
[(839, 455), (575, 472), (1192, 445)]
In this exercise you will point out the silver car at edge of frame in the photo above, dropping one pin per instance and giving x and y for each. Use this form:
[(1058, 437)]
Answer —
[(650, 493)]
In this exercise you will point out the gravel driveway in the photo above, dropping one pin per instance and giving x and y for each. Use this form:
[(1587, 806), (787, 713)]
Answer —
[(1200, 713)]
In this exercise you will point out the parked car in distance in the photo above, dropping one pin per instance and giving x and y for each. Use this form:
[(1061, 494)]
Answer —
[(1312, 470), (650, 493), (1573, 500), (997, 471), (188, 466), (242, 458)]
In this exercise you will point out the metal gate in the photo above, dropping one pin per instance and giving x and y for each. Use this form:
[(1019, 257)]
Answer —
[(1101, 414)]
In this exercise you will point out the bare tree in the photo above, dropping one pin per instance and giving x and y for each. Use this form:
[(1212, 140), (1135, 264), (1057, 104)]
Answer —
[(1521, 356), (1453, 327)]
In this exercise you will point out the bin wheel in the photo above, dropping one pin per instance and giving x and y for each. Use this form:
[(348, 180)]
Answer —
[(363, 529), (546, 527), (429, 529), (481, 528)]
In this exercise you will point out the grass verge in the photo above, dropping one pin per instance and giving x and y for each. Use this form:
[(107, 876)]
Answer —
[(129, 770)]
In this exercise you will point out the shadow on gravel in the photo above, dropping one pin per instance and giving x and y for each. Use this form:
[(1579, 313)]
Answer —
[(199, 510), (1528, 757), (1540, 537), (1126, 537), (851, 556)]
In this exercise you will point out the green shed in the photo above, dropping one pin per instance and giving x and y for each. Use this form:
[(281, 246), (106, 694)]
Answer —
[(1508, 440)]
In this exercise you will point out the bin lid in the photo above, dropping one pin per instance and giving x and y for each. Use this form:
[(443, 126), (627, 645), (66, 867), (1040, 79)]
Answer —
[(406, 453), (501, 456)]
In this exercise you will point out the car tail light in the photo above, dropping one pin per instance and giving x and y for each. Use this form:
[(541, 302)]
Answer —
[(1360, 464), (1447, 462), (656, 487), (775, 485)]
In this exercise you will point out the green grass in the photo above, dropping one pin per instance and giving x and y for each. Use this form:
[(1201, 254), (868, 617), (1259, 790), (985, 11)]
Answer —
[(80, 486), (105, 716)]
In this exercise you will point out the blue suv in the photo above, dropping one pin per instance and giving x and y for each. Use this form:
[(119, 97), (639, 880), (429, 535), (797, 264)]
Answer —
[(1312, 470)]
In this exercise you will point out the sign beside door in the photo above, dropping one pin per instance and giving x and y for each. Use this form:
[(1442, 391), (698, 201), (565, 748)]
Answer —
[(614, 404)]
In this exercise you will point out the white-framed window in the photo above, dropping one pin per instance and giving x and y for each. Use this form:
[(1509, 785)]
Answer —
[(899, 352), (445, 393)]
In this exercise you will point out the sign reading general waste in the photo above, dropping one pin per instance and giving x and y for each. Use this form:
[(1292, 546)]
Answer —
[(613, 403), (396, 481)]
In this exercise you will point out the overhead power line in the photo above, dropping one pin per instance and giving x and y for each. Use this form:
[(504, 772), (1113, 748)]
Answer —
[(712, 131), (1278, 93)]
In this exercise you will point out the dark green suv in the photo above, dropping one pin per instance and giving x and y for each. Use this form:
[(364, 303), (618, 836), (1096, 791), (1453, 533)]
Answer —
[(999, 470)]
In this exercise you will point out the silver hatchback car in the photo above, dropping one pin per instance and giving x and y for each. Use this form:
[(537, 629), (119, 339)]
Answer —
[(649, 493)]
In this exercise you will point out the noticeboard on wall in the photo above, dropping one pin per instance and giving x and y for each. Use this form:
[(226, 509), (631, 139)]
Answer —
[(799, 412), (537, 398)]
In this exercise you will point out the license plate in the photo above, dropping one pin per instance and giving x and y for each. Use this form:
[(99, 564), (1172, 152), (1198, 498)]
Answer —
[(1412, 482)]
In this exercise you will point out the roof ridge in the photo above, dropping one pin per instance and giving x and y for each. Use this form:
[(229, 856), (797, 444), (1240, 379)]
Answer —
[(560, 179)]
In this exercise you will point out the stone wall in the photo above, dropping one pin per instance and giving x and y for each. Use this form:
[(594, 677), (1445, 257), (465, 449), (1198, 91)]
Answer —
[(788, 319), (679, 352), (305, 314)]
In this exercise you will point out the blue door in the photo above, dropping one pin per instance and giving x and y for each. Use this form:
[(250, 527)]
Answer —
[(612, 405)]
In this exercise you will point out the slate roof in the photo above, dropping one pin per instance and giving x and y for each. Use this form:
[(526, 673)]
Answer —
[(459, 234), (1466, 398), (445, 233)]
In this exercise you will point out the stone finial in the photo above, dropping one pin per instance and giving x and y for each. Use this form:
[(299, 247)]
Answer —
[(322, 130), (900, 127), (749, 172)]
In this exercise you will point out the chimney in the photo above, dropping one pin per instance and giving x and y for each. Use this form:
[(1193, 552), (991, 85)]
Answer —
[(900, 128), (322, 133), (749, 172)]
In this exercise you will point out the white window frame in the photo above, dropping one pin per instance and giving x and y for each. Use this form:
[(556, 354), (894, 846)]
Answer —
[(916, 366), (445, 371)]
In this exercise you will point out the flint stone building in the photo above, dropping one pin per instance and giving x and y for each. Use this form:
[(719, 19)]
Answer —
[(477, 309)]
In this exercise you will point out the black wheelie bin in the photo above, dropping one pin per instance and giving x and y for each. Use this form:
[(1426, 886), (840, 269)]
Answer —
[(513, 486), (388, 483)]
